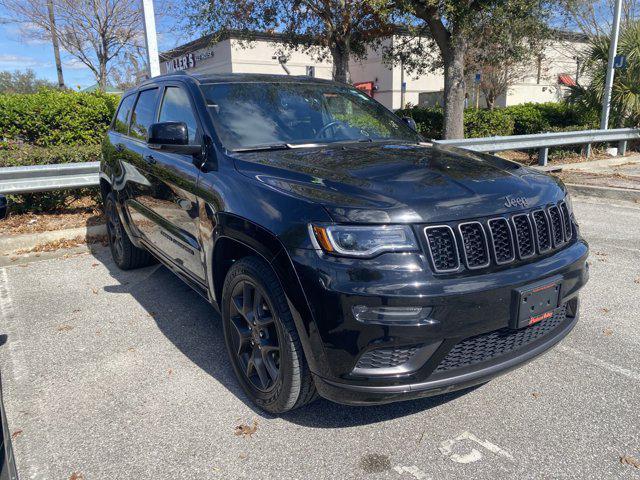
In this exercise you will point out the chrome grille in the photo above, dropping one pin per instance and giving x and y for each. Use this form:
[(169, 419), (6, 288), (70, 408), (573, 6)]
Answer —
[(442, 248), (501, 240), (474, 245)]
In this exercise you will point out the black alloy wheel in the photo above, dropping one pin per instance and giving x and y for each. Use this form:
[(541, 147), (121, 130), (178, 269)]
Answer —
[(256, 341)]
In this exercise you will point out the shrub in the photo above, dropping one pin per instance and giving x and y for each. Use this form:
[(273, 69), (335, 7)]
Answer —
[(54, 117), (487, 123), (528, 119), (429, 120)]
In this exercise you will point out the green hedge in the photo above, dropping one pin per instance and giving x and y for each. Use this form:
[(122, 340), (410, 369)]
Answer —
[(12, 155), (525, 119), (54, 117)]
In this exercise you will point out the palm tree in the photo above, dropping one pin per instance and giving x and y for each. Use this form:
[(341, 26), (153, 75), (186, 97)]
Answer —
[(625, 96)]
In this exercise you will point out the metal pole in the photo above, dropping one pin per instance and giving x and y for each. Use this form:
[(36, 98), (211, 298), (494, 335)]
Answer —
[(151, 38), (615, 33)]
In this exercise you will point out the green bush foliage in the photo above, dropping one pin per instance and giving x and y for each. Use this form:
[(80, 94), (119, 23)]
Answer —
[(54, 117), (487, 123), (525, 119)]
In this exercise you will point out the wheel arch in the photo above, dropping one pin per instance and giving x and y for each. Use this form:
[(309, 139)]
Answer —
[(238, 238)]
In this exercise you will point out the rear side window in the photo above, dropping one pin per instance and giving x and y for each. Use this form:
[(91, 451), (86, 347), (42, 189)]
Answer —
[(143, 113), (176, 107), (121, 123)]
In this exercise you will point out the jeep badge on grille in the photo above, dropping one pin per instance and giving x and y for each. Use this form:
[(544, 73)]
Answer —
[(515, 202)]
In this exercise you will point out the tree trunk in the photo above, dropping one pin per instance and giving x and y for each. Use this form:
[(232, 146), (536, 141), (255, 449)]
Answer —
[(340, 54), (102, 76), (454, 91), (54, 41)]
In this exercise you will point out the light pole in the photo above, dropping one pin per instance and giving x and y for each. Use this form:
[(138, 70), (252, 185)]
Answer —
[(150, 37), (615, 33)]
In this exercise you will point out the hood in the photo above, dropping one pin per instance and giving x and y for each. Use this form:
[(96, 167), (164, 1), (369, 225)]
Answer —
[(389, 183)]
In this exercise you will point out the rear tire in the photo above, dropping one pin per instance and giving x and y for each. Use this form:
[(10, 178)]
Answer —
[(262, 340), (125, 254)]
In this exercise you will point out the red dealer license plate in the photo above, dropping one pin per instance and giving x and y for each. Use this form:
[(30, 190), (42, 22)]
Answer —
[(536, 302)]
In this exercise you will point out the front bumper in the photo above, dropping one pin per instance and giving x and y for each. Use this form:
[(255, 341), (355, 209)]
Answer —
[(463, 307)]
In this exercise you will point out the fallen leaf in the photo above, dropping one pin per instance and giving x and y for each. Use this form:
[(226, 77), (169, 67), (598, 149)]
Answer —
[(608, 332), (627, 460), (64, 328), (242, 456), (131, 349), (98, 332), (536, 395), (75, 310), (76, 476), (170, 371), (246, 430), (605, 310), (602, 254), (16, 434), (637, 280), (95, 291)]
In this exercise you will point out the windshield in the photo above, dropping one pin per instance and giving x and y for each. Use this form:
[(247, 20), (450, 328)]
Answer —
[(271, 114)]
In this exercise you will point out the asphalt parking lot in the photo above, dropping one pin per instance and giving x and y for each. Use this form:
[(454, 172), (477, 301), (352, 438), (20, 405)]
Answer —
[(109, 374)]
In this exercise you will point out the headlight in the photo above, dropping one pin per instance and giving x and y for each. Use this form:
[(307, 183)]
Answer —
[(367, 241)]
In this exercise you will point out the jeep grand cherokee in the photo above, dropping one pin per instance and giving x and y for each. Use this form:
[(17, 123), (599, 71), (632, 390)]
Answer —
[(347, 257)]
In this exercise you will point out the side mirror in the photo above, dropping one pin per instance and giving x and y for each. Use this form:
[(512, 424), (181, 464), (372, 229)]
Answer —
[(172, 137), (411, 123), (3, 207)]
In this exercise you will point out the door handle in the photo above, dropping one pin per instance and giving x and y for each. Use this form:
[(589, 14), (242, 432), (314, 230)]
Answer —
[(149, 159)]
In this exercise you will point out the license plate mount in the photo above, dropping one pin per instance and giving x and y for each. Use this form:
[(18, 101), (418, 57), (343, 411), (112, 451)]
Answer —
[(536, 302)]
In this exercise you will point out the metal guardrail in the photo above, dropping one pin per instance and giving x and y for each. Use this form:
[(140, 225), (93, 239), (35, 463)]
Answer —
[(544, 141), (43, 178)]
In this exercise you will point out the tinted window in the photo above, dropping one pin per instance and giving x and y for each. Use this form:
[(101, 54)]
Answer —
[(143, 114), (177, 108), (258, 114), (121, 124)]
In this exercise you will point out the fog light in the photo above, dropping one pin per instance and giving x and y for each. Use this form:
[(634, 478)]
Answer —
[(393, 315)]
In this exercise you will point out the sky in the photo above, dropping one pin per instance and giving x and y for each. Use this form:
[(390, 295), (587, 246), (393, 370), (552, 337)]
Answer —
[(19, 52)]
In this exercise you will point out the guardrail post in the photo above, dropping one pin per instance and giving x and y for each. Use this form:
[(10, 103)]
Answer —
[(622, 148), (587, 151), (543, 156)]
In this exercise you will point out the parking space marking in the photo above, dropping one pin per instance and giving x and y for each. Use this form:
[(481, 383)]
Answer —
[(474, 455), (414, 471), (632, 374)]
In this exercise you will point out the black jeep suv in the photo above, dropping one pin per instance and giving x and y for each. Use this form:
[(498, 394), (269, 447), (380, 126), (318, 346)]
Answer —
[(347, 257)]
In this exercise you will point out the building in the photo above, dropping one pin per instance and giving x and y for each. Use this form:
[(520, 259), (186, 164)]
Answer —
[(545, 80)]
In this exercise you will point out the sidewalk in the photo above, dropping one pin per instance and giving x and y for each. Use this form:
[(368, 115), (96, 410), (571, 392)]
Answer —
[(616, 178)]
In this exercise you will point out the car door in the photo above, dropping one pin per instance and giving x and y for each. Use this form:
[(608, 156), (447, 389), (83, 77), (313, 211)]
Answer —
[(171, 204)]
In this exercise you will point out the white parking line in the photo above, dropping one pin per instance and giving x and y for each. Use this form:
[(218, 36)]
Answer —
[(634, 375), (474, 455)]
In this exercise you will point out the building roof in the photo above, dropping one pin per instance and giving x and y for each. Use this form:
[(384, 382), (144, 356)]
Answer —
[(108, 89)]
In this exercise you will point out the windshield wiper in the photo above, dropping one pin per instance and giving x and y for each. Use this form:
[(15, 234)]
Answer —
[(261, 148)]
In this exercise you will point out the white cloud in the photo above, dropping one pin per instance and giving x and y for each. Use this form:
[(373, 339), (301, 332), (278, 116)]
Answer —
[(73, 64), (18, 61)]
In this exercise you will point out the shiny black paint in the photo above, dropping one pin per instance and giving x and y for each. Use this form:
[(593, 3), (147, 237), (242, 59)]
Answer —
[(196, 212)]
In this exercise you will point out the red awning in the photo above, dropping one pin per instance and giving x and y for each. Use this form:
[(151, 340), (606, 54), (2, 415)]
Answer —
[(566, 80)]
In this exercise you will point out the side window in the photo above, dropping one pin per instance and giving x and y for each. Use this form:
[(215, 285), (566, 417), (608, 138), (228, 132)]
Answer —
[(177, 108), (121, 124), (143, 113)]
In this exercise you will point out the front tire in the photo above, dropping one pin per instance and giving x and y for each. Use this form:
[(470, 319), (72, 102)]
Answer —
[(125, 254), (262, 340)]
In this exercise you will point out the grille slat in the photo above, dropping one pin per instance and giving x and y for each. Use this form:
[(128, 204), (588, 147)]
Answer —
[(524, 236), (443, 249), (474, 245), (543, 233), (557, 227), (568, 231), (502, 240), (489, 346)]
